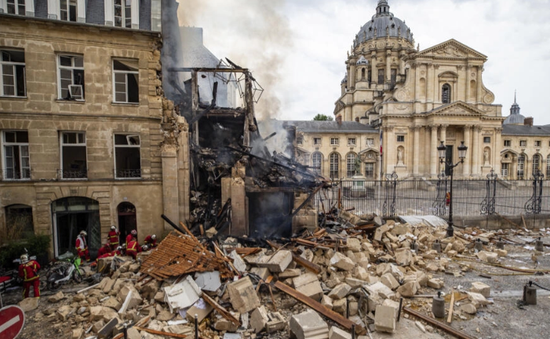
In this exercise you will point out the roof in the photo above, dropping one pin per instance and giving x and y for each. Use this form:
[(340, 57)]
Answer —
[(331, 127), (514, 119), (526, 130), (382, 20)]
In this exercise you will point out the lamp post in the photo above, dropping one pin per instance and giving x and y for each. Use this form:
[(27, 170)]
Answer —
[(442, 151)]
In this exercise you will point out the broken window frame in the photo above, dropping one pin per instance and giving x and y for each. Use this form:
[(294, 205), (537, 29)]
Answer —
[(66, 142), (68, 10), (126, 174), (16, 152), (16, 7), (124, 15), (117, 73), (18, 74), (75, 70)]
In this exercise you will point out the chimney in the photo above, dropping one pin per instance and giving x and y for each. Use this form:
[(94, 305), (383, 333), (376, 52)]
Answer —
[(339, 119), (528, 121)]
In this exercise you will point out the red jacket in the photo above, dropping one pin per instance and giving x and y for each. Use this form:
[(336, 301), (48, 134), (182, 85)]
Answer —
[(104, 250), (149, 241), (29, 270), (81, 243), (128, 239), (113, 237), (133, 247)]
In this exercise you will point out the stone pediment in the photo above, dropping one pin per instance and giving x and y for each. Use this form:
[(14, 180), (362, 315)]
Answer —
[(457, 108), (451, 49)]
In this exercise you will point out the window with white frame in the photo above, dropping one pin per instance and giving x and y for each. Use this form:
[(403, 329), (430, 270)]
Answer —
[(507, 143), (316, 162), (12, 73), (505, 169), (369, 170), (15, 7), (536, 163), (127, 156), (370, 142), (68, 10), (316, 141), (156, 17), (350, 164), (334, 165), (538, 143), (521, 167), (351, 141), (523, 143), (73, 155), (71, 77), (16, 155), (126, 81), (123, 13), (334, 141)]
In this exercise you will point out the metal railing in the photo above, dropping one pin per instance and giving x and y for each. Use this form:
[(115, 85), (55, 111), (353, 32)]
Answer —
[(72, 174)]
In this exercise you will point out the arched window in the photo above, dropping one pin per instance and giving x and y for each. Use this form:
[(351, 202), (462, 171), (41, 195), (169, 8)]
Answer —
[(362, 74), (351, 158), (317, 162), (334, 165), (521, 166), (446, 94), (536, 163)]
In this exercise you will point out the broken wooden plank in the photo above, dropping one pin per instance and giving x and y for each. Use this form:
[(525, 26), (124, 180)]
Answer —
[(167, 334), (450, 317), (436, 323), (222, 311), (317, 306)]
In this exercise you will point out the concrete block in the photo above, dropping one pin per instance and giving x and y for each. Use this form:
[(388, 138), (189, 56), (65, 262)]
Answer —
[(262, 272), (342, 262), (308, 325), (242, 295), (336, 333), (276, 322), (385, 319), (389, 280), (259, 319), (279, 262), (201, 309), (309, 285), (340, 291), (381, 290), (481, 288)]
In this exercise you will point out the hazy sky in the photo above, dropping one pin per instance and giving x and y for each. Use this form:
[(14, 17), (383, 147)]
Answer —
[(296, 49)]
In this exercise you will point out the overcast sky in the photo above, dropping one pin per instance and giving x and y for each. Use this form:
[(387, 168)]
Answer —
[(296, 49)]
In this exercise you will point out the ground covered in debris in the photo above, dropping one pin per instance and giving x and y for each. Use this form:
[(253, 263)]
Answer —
[(324, 283)]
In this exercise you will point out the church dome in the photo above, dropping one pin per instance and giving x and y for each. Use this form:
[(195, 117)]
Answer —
[(515, 117), (383, 24)]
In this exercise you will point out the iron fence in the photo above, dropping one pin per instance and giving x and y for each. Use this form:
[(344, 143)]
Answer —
[(393, 196)]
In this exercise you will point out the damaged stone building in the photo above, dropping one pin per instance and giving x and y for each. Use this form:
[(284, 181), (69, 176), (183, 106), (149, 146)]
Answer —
[(87, 138)]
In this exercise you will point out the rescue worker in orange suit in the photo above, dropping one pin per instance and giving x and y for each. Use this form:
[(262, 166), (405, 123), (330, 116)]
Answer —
[(105, 249), (129, 237), (133, 248), (151, 241), (113, 237), (28, 270), (82, 246)]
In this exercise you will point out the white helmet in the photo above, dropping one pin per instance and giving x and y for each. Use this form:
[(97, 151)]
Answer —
[(83, 233), (153, 237), (24, 258), (113, 227)]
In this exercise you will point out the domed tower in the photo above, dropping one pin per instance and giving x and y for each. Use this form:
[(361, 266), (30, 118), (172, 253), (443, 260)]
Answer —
[(515, 117), (375, 64)]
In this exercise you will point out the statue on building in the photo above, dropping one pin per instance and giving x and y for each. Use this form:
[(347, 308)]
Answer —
[(486, 157), (400, 156)]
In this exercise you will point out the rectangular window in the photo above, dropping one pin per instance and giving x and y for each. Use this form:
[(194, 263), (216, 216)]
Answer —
[(12, 73), (393, 76), (71, 77), (381, 76), (316, 141), (369, 170), (127, 156), (351, 141), (538, 143), (126, 81), (487, 140), (523, 143), (505, 169), (68, 10), (299, 140), (334, 141), (400, 138), (16, 7), (156, 21), (370, 142), (16, 155), (73, 155), (507, 143), (369, 76), (123, 13)]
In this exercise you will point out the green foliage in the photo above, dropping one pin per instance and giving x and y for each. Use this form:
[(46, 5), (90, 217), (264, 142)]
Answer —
[(36, 245), (322, 117)]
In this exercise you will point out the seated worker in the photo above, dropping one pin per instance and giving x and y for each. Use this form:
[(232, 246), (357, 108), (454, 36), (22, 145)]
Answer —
[(104, 249), (133, 248), (129, 237), (151, 241)]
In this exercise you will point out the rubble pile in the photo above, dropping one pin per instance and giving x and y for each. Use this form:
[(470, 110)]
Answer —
[(322, 284)]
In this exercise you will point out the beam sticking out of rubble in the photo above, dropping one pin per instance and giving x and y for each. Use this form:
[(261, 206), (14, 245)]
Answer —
[(439, 324)]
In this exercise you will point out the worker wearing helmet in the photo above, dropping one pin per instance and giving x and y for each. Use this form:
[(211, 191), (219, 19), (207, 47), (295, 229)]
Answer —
[(151, 241), (105, 248), (133, 248), (82, 246), (28, 271), (113, 238), (129, 237)]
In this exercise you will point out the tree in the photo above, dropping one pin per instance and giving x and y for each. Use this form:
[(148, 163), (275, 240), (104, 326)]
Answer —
[(322, 117)]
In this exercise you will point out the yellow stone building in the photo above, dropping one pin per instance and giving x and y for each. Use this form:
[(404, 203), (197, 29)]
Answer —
[(87, 139)]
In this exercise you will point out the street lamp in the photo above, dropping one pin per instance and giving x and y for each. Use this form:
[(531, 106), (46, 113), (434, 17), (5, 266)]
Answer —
[(442, 150)]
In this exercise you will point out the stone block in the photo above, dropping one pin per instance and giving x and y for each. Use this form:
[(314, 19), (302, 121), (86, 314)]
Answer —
[(259, 319), (98, 325), (113, 303), (403, 256), (389, 280), (108, 286), (262, 272), (342, 262), (336, 333), (501, 253), (64, 312), (436, 283), (355, 282), (77, 333), (29, 304), (56, 297), (225, 325), (201, 309), (340, 306), (290, 273), (278, 262), (359, 272), (327, 302), (408, 289), (481, 288), (353, 244), (380, 231), (242, 295), (309, 285), (488, 257), (468, 308), (340, 291), (238, 262), (477, 299), (385, 319), (308, 325), (381, 290), (276, 322)]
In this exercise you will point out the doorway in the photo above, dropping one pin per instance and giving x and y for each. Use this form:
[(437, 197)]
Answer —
[(127, 220), (72, 215)]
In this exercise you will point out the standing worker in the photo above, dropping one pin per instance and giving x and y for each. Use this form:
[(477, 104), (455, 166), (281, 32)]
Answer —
[(151, 241), (28, 270), (133, 248), (82, 246), (113, 237), (129, 237)]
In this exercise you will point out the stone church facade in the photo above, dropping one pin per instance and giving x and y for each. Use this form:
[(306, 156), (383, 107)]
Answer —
[(416, 99)]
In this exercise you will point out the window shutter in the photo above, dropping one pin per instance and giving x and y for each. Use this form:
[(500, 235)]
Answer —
[(109, 15), (135, 14), (53, 9), (29, 7), (81, 11)]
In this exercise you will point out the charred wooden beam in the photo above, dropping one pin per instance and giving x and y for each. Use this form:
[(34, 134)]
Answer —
[(439, 324)]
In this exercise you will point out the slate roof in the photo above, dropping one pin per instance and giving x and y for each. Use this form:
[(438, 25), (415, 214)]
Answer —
[(526, 130), (331, 127)]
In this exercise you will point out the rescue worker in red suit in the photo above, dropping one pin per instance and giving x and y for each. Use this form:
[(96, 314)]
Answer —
[(28, 270), (104, 249), (82, 246), (129, 237), (151, 241), (113, 238), (111, 253), (133, 248)]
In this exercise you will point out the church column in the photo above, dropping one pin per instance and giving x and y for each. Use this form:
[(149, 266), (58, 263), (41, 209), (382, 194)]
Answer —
[(373, 70), (352, 73), (433, 153), (416, 148), (467, 138), (467, 88), (479, 71), (475, 152), (429, 85), (496, 150), (388, 65)]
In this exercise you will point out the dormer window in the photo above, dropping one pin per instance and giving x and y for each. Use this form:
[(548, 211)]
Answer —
[(123, 13), (68, 10), (16, 7)]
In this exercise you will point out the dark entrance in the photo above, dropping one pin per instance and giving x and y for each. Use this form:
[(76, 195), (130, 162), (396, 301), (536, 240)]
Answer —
[(126, 220), (268, 214), (448, 159), (72, 215)]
